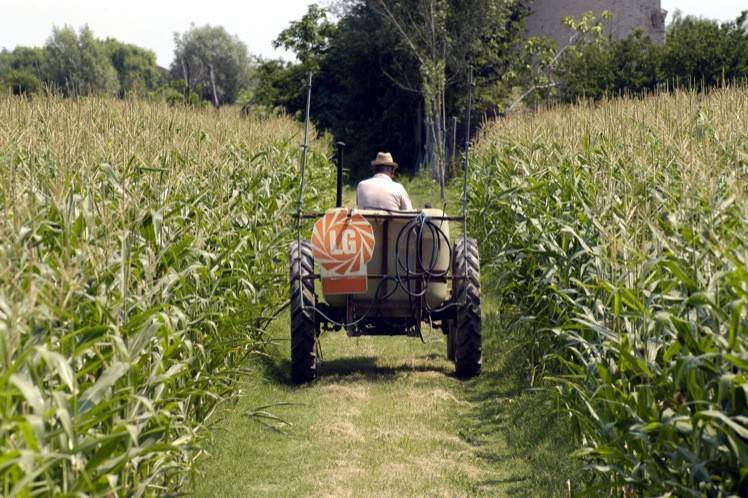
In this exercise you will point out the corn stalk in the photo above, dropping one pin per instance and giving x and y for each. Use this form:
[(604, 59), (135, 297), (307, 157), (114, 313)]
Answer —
[(616, 234)]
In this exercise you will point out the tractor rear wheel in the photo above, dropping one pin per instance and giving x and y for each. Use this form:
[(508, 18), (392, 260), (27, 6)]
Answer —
[(467, 332), (303, 323)]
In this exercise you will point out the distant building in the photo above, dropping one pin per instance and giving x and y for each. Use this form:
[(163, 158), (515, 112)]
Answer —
[(628, 16)]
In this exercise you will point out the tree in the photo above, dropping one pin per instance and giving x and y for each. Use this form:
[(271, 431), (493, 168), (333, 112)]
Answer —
[(703, 52), (696, 52), (136, 67), (176, 92), (635, 62), (201, 48), (542, 65), (367, 82), (443, 37), (495, 61), (358, 102), (78, 64), (585, 73), (5, 59), (20, 82), (32, 59), (609, 68), (277, 86), (309, 38)]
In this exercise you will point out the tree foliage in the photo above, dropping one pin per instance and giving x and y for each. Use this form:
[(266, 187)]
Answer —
[(705, 52), (176, 92), (697, 53), (136, 68), (442, 37), (540, 68), (309, 38), (357, 100), (32, 59), (202, 47), (78, 63), (20, 82), (23, 70), (631, 65), (369, 84)]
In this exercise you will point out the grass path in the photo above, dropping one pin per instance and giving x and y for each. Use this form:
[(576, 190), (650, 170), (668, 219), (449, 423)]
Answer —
[(386, 418)]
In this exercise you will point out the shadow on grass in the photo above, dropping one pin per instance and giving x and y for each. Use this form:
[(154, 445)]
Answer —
[(513, 426), (366, 368), (277, 366), (356, 368)]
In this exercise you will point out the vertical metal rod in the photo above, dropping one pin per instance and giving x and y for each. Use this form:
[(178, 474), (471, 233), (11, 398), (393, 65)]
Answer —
[(340, 150), (304, 147), (465, 182), (300, 205), (467, 153)]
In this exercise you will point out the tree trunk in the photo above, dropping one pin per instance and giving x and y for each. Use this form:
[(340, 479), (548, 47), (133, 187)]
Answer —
[(433, 84), (213, 86), (453, 151), (419, 127), (186, 74)]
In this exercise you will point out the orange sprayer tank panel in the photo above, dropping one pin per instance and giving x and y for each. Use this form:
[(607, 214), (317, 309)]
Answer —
[(343, 243)]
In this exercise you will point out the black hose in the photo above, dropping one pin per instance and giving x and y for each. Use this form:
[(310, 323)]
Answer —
[(422, 272), (368, 311)]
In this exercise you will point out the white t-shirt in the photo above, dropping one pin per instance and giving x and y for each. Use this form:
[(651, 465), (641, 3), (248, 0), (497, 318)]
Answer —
[(381, 192)]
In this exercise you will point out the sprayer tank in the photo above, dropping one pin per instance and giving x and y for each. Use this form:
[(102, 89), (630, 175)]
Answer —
[(435, 253)]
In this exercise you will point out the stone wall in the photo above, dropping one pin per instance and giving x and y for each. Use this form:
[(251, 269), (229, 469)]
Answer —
[(628, 16)]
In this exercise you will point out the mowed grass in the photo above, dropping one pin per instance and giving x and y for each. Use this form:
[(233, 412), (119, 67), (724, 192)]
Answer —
[(388, 418), (379, 420)]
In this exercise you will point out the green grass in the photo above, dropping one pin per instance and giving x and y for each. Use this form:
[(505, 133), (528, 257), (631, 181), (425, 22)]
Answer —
[(387, 418)]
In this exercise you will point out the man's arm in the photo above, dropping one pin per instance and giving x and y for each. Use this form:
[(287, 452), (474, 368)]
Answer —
[(405, 204)]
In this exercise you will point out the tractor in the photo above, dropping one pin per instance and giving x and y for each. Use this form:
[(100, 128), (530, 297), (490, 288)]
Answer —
[(383, 273)]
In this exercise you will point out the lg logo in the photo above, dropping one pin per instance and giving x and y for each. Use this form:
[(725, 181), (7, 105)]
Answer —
[(346, 244), (343, 243)]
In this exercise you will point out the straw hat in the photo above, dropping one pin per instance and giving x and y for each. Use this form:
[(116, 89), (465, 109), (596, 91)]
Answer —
[(384, 159)]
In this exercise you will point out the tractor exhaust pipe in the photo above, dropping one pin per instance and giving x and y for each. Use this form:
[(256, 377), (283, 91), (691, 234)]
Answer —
[(339, 161)]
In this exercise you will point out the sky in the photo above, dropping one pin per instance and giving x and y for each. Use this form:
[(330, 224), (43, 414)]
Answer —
[(152, 23)]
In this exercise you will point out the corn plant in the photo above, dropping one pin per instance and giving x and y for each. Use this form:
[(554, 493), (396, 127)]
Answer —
[(141, 257), (616, 235)]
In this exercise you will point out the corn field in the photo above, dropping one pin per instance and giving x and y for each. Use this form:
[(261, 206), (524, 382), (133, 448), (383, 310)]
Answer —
[(139, 255), (617, 237)]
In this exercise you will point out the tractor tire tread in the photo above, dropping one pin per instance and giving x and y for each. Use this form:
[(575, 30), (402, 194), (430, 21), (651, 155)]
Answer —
[(468, 348), (303, 325)]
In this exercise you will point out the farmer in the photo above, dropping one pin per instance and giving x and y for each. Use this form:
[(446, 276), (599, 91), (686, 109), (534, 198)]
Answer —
[(380, 191)]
